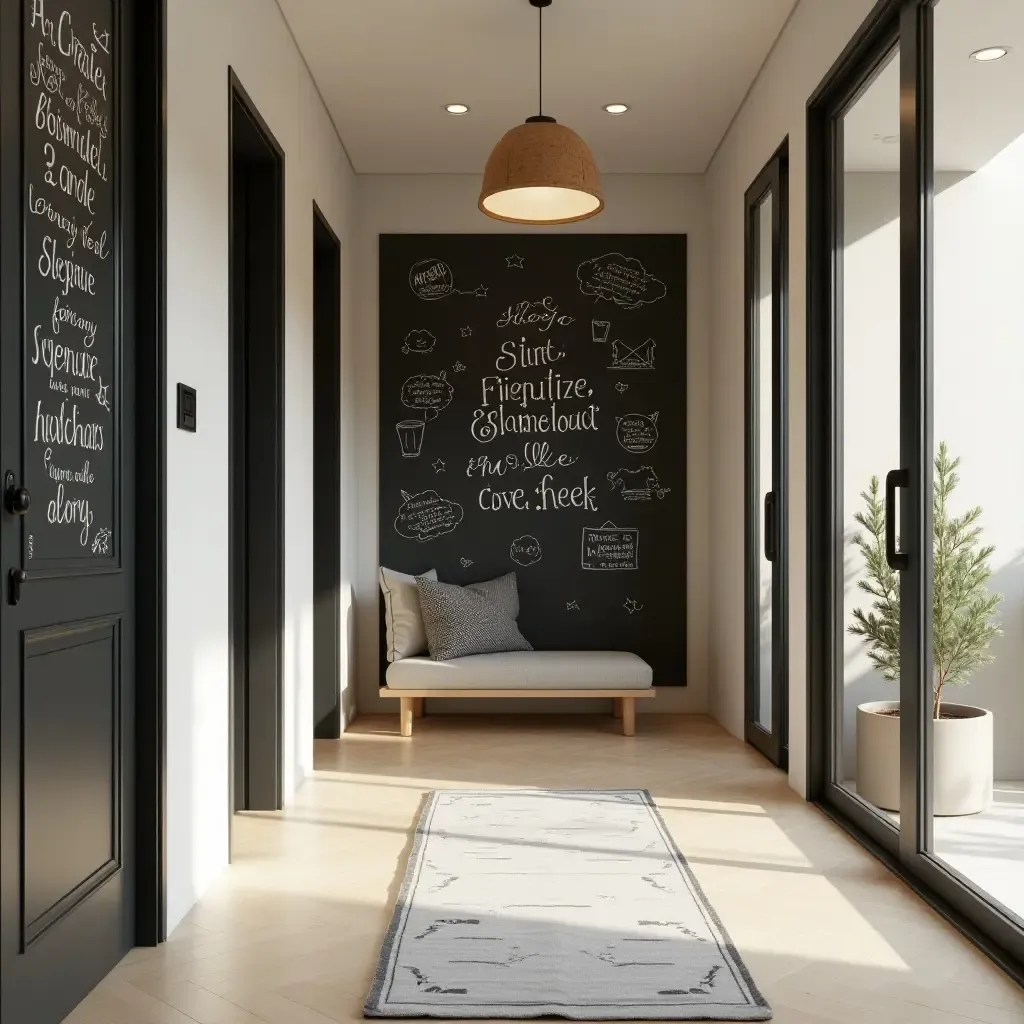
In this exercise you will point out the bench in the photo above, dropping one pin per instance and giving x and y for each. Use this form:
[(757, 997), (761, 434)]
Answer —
[(618, 675)]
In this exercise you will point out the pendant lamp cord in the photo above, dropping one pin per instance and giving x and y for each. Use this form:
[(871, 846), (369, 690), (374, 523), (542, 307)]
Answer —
[(540, 60)]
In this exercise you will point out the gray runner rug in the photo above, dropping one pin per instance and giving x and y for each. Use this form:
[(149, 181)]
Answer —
[(568, 903)]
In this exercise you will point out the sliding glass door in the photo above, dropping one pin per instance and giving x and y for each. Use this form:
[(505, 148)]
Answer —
[(916, 451), (767, 673)]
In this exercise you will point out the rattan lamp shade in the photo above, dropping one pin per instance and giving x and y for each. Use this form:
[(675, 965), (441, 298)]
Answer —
[(541, 173)]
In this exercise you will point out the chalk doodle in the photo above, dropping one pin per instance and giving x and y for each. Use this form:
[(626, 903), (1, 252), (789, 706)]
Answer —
[(430, 393), (626, 356), (636, 432), (466, 562), (514, 262), (466, 331), (439, 466), (432, 279), (419, 342), (459, 366), (101, 542), (525, 550), (426, 515), (637, 484), (572, 606), (632, 606), (620, 387), (619, 279), (609, 547), (599, 331)]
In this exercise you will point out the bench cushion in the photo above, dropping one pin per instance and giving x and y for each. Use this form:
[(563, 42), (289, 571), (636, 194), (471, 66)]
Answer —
[(524, 670)]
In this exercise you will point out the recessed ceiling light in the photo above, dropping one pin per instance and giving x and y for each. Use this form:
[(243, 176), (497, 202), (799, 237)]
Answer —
[(615, 108), (457, 108), (990, 53)]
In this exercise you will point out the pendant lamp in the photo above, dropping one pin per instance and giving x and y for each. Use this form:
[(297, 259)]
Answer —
[(541, 172)]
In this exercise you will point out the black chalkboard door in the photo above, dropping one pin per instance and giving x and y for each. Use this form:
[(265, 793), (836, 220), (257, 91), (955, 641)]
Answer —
[(67, 351), (533, 419)]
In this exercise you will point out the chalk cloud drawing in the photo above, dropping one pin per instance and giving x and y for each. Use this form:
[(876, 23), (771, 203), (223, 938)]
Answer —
[(429, 393), (466, 562), (572, 606), (525, 550), (620, 387), (609, 547), (636, 432), (619, 279), (432, 279), (419, 342), (637, 484), (599, 331), (438, 465), (632, 606), (627, 356), (426, 515), (514, 261), (466, 331)]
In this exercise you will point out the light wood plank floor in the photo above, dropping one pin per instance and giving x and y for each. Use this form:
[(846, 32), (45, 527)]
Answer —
[(291, 932)]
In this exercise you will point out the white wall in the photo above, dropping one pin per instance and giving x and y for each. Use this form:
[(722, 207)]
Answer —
[(203, 39), (447, 203), (815, 35)]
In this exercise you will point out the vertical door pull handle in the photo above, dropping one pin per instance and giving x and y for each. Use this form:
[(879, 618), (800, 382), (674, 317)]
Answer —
[(898, 560), (770, 530)]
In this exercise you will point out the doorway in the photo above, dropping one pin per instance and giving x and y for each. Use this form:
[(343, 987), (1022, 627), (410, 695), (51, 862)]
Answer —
[(767, 620), (326, 479), (256, 311), (81, 465)]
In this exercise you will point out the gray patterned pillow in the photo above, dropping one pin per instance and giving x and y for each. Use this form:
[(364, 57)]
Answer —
[(477, 619)]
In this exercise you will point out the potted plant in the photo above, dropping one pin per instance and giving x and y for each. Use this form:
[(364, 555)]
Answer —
[(963, 626)]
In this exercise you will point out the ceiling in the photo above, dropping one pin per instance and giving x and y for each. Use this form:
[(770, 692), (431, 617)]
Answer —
[(386, 68), (979, 109)]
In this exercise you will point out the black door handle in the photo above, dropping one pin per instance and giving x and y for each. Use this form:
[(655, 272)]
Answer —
[(898, 560), (15, 579), (769, 526), (17, 499)]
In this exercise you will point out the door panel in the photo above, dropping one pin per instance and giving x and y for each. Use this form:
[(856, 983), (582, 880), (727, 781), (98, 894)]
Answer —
[(67, 354), (766, 564)]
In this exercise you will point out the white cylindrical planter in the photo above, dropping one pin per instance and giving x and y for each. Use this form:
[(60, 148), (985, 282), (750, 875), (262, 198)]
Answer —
[(962, 753)]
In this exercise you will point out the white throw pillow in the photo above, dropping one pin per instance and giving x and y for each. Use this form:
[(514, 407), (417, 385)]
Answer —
[(406, 636)]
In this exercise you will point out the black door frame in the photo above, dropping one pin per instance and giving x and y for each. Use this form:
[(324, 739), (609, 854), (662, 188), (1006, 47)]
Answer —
[(908, 24), (326, 473), (773, 179), (256, 486)]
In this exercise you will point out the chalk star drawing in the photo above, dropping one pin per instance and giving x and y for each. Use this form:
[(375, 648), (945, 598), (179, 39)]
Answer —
[(572, 606), (620, 387), (515, 262), (632, 606), (438, 465), (466, 331), (480, 291), (101, 541), (459, 366), (466, 562), (101, 395)]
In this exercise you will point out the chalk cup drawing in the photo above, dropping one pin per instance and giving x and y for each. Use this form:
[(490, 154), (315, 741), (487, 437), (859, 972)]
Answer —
[(626, 356), (609, 547), (636, 432), (599, 331), (432, 279), (637, 484), (525, 550), (419, 341), (429, 393), (619, 279), (632, 606), (514, 262), (426, 515)]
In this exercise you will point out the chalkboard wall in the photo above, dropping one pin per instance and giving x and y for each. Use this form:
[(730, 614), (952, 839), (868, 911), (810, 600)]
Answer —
[(533, 418)]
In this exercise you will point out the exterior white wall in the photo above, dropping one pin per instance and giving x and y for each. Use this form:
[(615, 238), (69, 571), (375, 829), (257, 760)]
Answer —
[(443, 203), (203, 40), (978, 374), (814, 36)]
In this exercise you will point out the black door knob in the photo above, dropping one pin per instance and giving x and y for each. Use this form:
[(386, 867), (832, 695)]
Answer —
[(19, 501)]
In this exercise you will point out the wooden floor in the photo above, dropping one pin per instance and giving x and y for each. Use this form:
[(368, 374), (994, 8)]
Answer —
[(291, 932)]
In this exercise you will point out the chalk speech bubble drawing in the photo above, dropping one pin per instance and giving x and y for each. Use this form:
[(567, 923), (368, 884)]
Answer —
[(636, 432), (432, 279), (419, 342), (429, 392), (426, 515), (525, 550), (619, 279)]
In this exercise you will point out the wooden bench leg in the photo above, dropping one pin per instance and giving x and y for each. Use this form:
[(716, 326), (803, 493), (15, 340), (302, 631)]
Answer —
[(419, 707), (628, 716), (616, 707), (406, 715)]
